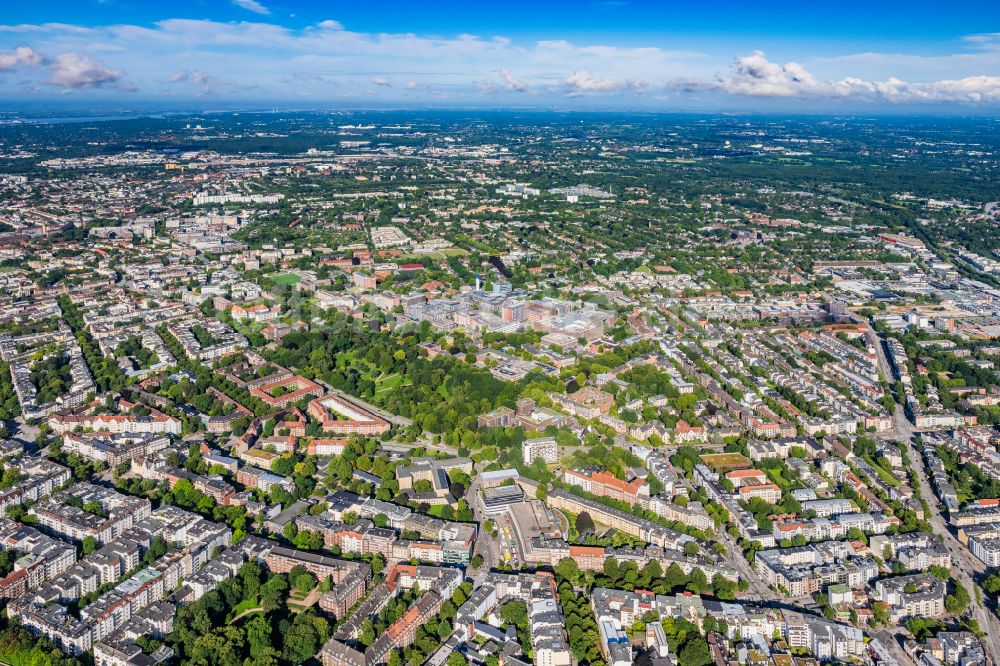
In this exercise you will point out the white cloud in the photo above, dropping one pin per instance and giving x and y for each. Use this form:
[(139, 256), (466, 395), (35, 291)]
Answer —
[(44, 27), (984, 40), (21, 55), (72, 70), (328, 61), (270, 53), (582, 81), (968, 90), (203, 82), (197, 77), (755, 76), (252, 6), (512, 83)]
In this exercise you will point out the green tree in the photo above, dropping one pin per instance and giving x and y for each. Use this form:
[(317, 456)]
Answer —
[(939, 572), (301, 641), (250, 574), (956, 602), (697, 582), (268, 656), (304, 583), (258, 631), (724, 588), (568, 569), (611, 568), (694, 652), (366, 636), (674, 577), (272, 593), (514, 612), (880, 613), (992, 583)]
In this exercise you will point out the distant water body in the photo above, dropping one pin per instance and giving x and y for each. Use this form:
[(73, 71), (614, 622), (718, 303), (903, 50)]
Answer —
[(61, 120)]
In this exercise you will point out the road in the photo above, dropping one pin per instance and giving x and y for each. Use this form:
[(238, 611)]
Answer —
[(758, 590), (484, 542), (902, 430), (965, 566), (513, 539)]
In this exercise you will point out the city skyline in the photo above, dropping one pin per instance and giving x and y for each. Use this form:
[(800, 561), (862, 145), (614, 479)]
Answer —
[(594, 56)]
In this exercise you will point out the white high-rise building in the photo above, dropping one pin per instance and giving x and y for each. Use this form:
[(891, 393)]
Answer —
[(544, 448)]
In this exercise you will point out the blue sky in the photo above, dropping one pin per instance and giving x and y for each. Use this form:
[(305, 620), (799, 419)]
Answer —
[(875, 55)]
